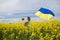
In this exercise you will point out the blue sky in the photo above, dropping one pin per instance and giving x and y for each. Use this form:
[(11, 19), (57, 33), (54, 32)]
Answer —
[(19, 8)]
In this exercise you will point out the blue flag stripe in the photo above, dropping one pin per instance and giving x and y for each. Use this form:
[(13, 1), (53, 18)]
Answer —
[(46, 11)]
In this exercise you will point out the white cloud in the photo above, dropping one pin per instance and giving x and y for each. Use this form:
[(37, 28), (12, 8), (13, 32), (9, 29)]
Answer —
[(8, 6), (9, 14), (1, 17), (11, 6), (15, 5)]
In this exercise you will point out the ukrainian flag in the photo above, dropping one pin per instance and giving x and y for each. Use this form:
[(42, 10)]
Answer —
[(45, 14)]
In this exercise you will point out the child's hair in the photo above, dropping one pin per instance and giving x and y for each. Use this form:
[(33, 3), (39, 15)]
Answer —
[(22, 19), (28, 18)]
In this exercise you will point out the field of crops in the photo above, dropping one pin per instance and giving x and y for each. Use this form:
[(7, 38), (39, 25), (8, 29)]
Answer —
[(34, 31)]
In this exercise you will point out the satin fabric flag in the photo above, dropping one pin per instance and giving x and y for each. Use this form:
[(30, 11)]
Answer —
[(45, 14)]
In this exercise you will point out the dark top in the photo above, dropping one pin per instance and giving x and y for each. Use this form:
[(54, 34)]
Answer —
[(26, 24)]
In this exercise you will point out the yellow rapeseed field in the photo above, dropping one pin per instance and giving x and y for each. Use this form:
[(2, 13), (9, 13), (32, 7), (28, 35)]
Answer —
[(34, 31)]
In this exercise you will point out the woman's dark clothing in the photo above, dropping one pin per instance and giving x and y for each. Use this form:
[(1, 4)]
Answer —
[(26, 24)]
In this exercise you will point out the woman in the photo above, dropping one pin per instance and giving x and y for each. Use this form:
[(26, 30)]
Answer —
[(28, 21)]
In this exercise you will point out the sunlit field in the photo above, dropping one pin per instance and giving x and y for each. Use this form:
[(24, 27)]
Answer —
[(34, 31)]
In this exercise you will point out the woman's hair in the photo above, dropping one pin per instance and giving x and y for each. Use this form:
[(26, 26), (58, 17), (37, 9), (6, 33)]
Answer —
[(28, 18), (22, 19)]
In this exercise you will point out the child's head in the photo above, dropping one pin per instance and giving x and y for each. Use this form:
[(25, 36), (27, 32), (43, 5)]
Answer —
[(28, 18)]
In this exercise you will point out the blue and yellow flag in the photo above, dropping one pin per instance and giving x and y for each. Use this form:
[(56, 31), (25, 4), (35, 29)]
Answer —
[(45, 14)]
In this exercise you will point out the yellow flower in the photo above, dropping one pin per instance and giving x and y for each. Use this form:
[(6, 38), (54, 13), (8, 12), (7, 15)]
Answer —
[(33, 33), (41, 38)]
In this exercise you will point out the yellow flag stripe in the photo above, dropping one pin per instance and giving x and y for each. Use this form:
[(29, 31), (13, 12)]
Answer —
[(44, 16)]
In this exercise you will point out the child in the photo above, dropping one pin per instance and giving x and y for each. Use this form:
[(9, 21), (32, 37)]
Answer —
[(23, 21)]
